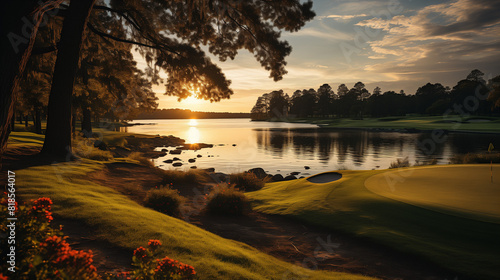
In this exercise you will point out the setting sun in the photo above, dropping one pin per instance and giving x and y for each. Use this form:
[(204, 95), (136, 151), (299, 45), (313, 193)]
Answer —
[(193, 122), (193, 103)]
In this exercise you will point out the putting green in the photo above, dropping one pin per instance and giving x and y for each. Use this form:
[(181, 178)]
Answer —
[(461, 190)]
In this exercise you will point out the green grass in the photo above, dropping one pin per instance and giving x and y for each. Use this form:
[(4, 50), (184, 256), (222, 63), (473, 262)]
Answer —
[(139, 158), (441, 188), (127, 224), (421, 123), (25, 139), (117, 219), (463, 245)]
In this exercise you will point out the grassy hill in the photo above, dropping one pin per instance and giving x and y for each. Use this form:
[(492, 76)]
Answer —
[(117, 219), (467, 246)]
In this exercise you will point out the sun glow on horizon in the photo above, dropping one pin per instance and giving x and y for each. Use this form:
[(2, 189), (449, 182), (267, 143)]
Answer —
[(194, 103), (193, 122), (192, 100)]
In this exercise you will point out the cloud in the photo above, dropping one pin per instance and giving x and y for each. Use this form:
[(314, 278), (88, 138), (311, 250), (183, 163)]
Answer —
[(359, 6), (465, 16), (451, 36), (343, 17), (321, 32), (458, 20), (377, 57)]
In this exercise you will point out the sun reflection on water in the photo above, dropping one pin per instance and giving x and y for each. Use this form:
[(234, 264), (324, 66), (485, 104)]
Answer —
[(193, 135)]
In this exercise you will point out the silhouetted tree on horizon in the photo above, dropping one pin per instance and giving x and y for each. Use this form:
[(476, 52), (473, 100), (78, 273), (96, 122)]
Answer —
[(429, 99), (428, 95), (326, 96), (471, 92), (278, 105), (494, 93)]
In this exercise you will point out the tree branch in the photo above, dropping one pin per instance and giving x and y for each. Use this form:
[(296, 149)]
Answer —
[(246, 29), (106, 35), (43, 50), (130, 19)]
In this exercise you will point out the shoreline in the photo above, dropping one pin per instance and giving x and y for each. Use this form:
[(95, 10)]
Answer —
[(407, 130), (427, 124), (323, 125)]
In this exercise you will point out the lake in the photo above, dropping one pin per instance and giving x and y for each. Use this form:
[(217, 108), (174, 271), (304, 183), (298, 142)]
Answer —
[(240, 144)]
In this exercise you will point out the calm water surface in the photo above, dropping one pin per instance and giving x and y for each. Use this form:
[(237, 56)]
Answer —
[(285, 147)]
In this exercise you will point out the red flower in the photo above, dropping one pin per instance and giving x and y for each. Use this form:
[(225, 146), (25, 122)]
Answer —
[(186, 271), (42, 203), (154, 244), (55, 247), (167, 266), (140, 252), (170, 267), (3, 277), (41, 209), (124, 275)]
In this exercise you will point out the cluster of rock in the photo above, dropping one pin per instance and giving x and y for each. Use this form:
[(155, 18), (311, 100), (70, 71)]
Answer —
[(261, 174), (138, 143), (176, 162)]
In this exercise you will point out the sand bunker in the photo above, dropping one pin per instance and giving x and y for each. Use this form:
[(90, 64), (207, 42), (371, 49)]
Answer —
[(325, 177)]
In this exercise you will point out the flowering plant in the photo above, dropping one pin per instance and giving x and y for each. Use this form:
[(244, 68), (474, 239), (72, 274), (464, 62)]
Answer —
[(147, 267), (41, 251)]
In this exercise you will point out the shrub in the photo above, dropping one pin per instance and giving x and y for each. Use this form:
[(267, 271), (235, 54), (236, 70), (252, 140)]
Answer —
[(62, 261), (176, 178), (433, 161), (148, 266), (84, 148), (227, 200), (117, 141), (142, 160), (476, 158), (247, 181), (41, 251), (164, 200), (399, 163)]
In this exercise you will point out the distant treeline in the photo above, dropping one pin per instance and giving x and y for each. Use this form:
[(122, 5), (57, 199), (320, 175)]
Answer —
[(471, 96), (188, 114)]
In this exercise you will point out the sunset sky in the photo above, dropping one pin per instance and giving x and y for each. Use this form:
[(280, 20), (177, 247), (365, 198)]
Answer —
[(392, 44)]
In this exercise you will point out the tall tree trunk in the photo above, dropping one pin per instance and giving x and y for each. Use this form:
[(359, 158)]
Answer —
[(38, 121), (73, 122), (33, 118), (18, 34), (13, 122), (58, 134), (86, 122), (26, 121)]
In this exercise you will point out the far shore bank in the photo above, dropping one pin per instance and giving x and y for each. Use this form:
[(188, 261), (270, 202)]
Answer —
[(417, 124)]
